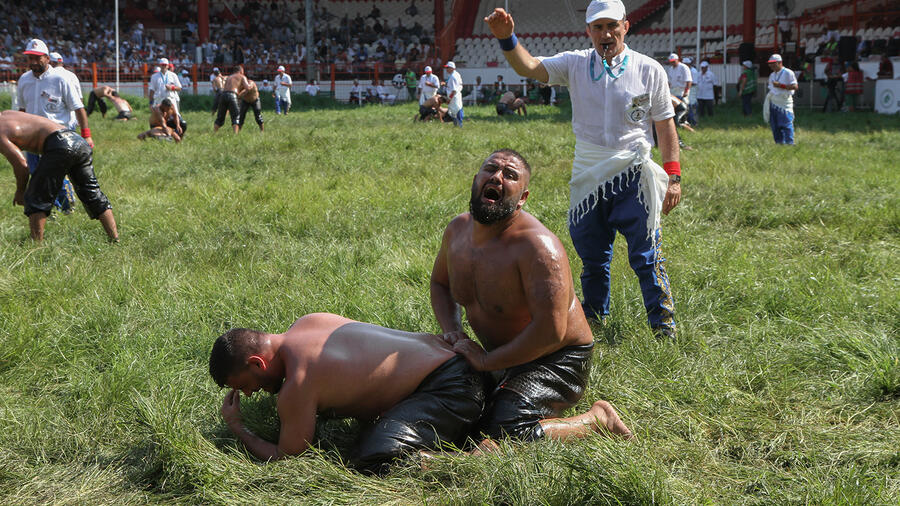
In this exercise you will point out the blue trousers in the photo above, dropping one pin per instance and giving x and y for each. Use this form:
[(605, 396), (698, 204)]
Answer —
[(66, 195), (458, 119), (782, 123), (281, 105), (593, 238), (747, 104)]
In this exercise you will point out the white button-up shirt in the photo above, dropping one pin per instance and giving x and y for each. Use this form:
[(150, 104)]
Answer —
[(50, 95)]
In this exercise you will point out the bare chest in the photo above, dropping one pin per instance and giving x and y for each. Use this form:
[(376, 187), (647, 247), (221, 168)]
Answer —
[(485, 280)]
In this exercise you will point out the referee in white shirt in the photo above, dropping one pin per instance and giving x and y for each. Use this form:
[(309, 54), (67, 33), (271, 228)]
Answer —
[(617, 96)]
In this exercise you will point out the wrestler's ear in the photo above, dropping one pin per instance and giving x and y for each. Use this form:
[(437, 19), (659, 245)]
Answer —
[(522, 199), (258, 361)]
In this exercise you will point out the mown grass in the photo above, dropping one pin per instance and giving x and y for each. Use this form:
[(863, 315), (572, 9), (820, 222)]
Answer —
[(783, 385)]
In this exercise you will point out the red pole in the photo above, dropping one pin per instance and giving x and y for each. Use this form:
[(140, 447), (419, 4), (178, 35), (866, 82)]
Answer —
[(203, 20), (855, 19), (750, 21), (194, 76), (144, 80), (438, 16)]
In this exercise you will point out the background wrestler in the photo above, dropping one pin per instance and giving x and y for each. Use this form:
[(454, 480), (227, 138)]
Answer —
[(250, 100), (431, 108), (95, 99), (63, 153), (512, 276), (122, 107), (511, 102), (161, 117), (412, 387), (235, 86)]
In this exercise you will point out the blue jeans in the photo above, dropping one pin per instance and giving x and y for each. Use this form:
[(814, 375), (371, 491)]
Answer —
[(458, 119), (62, 202), (593, 238), (281, 105), (747, 103), (782, 123)]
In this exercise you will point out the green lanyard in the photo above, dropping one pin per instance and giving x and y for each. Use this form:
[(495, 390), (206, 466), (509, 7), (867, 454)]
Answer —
[(607, 68)]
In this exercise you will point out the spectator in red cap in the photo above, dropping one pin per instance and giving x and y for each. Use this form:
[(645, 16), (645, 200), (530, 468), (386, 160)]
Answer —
[(428, 85), (50, 93)]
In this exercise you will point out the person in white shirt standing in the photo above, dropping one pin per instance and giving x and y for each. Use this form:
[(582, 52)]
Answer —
[(49, 92), (454, 93), (166, 84), (680, 79), (283, 85), (617, 95), (428, 85), (692, 102), (706, 89), (778, 109)]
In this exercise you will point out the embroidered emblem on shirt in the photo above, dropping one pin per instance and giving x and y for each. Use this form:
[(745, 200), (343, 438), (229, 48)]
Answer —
[(637, 111)]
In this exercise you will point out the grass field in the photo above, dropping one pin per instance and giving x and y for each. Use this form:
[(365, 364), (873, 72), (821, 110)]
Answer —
[(783, 385)]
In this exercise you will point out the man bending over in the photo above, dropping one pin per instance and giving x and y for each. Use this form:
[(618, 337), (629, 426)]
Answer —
[(512, 276), (415, 391), (63, 153)]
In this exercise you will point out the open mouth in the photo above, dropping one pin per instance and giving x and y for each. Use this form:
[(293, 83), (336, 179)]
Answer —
[(491, 193)]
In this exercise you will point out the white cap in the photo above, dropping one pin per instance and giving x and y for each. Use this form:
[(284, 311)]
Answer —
[(163, 61), (427, 69), (704, 64), (36, 46), (280, 68), (54, 56), (774, 58), (184, 71), (155, 69), (450, 65), (606, 9), (747, 63), (215, 69), (687, 60), (673, 57)]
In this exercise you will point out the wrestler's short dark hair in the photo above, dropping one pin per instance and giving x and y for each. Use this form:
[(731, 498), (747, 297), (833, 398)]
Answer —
[(166, 102), (115, 93), (230, 351), (515, 154)]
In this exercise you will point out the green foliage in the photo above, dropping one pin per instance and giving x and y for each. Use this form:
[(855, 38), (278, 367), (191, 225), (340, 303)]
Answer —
[(782, 387)]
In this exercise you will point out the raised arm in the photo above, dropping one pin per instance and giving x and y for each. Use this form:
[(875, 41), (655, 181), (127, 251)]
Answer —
[(501, 25), (446, 310)]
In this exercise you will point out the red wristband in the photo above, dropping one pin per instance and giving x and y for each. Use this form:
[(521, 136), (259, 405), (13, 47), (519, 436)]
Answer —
[(672, 168), (85, 132)]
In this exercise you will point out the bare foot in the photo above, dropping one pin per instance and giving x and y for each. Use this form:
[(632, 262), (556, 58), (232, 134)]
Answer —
[(607, 417), (485, 446), (142, 135)]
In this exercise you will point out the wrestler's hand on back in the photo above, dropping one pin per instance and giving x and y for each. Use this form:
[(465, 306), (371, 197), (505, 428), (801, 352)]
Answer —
[(452, 337), (473, 352), (500, 23)]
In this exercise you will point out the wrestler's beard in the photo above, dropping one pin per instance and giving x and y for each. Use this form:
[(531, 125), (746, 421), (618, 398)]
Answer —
[(488, 214)]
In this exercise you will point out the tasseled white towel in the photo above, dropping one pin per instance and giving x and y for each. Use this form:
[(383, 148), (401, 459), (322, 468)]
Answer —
[(595, 165), (785, 101)]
